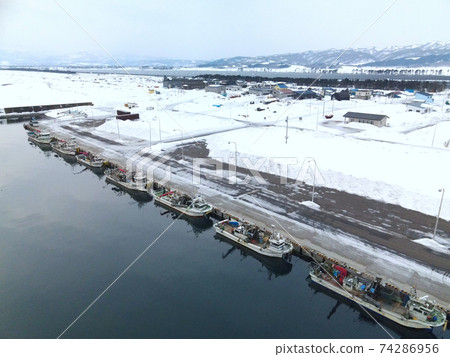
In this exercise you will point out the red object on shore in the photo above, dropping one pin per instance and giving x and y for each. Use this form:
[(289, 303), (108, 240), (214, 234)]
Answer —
[(342, 273)]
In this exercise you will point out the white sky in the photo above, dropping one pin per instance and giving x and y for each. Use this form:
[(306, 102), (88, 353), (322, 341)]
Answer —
[(212, 29)]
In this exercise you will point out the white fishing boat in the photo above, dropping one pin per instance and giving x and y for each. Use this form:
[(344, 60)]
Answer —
[(63, 147), (261, 241), (40, 137), (399, 306), (129, 181), (191, 207), (90, 160)]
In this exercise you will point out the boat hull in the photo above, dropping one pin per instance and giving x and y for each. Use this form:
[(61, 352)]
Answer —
[(415, 324), (63, 152), (90, 164), (127, 186), (240, 239), (39, 141), (185, 211)]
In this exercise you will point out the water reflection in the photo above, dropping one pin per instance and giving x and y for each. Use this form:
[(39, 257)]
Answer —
[(46, 149), (392, 327), (70, 159), (198, 224), (140, 197), (99, 172), (202, 223), (273, 266)]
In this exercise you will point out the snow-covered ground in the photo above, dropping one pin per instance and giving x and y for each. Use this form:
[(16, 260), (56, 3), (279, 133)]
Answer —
[(404, 163)]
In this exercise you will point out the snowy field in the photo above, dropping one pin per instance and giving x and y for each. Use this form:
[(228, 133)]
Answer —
[(404, 163)]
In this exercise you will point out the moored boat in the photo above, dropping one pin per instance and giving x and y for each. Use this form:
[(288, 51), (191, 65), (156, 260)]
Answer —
[(40, 137), (128, 181), (63, 147), (399, 306), (90, 160), (191, 207), (250, 236), (32, 125)]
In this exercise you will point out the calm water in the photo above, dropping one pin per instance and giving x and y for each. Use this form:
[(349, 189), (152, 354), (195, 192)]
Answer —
[(65, 235)]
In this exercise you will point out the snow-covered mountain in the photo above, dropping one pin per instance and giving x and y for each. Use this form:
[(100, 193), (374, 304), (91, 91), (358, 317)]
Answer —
[(17, 58), (432, 54)]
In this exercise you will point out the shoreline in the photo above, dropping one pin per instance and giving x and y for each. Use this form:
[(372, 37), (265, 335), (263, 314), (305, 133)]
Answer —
[(364, 256)]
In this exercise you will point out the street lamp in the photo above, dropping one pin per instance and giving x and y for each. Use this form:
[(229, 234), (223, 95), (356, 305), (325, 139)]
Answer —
[(181, 133), (439, 212), (159, 126), (314, 179), (317, 119), (150, 133), (118, 131), (287, 128), (235, 153)]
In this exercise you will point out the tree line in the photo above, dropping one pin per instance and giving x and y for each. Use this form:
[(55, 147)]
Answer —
[(384, 84)]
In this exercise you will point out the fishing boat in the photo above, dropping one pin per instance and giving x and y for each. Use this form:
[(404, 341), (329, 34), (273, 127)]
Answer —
[(31, 125), (90, 160), (129, 181), (274, 267), (180, 202), (63, 147), (386, 300), (261, 241), (40, 138)]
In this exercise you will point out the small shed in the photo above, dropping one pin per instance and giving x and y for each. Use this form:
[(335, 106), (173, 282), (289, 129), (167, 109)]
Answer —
[(363, 94), (395, 94), (282, 92), (378, 120), (418, 107), (260, 90), (342, 95), (426, 97), (216, 88), (306, 94), (124, 115)]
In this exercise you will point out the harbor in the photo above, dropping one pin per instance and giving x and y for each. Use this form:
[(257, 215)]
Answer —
[(73, 235), (181, 179), (306, 247)]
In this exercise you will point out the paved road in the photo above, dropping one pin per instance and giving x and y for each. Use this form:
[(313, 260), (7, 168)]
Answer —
[(381, 224)]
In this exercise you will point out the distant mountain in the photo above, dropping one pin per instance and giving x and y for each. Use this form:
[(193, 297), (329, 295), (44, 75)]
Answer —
[(430, 54), (17, 58)]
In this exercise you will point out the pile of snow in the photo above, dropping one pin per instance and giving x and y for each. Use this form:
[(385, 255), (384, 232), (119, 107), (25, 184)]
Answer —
[(432, 244), (311, 205)]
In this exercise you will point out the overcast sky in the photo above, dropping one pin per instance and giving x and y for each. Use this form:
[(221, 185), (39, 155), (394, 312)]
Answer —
[(213, 29)]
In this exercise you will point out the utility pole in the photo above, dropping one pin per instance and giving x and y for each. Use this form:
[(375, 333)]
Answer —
[(150, 133), (439, 212), (287, 127), (314, 180), (118, 131)]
